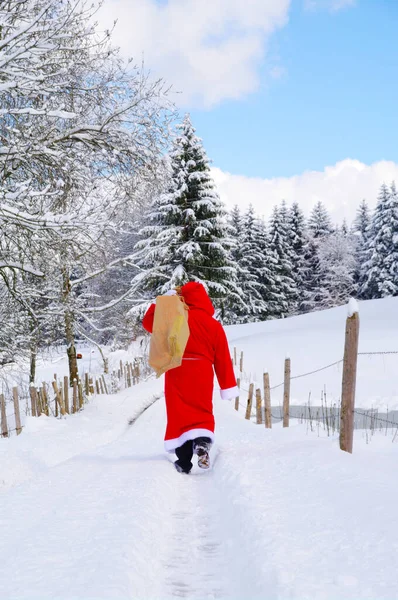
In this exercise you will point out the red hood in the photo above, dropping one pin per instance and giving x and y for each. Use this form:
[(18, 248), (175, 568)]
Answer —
[(195, 296)]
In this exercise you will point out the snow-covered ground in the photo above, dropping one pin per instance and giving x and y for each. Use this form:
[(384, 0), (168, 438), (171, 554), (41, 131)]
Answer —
[(92, 508), (316, 340)]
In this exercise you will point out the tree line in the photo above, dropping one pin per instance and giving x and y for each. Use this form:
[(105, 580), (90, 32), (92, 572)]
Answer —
[(256, 269)]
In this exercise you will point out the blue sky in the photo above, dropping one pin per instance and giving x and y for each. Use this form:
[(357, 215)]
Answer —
[(337, 97), (294, 99)]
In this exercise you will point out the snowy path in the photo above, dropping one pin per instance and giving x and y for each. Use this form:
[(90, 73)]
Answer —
[(196, 565), (282, 515)]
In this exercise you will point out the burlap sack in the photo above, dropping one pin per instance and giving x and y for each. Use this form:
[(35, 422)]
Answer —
[(169, 335)]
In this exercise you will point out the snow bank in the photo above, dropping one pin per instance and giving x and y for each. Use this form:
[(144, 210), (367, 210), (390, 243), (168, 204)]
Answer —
[(47, 442)]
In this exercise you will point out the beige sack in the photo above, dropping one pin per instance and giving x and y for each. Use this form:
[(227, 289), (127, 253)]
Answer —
[(169, 335)]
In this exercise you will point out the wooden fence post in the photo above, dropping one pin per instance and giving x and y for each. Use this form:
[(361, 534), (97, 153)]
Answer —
[(75, 396), (44, 396), (235, 357), (33, 399), (58, 399), (97, 387), (4, 428), (249, 402), (61, 395), (105, 386), (286, 393), (56, 403), (237, 397), (137, 372), (66, 394), (349, 383), (241, 363), (267, 402), (101, 386), (128, 372), (259, 413), (40, 410), (87, 384), (80, 392), (16, 410)]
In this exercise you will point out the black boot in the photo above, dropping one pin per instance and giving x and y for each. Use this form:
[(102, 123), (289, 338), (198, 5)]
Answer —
[(184, 454)]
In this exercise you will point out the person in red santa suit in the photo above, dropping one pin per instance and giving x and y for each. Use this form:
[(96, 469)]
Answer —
[(189, 388)]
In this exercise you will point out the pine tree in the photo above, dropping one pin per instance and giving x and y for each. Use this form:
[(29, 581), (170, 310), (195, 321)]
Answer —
[(236, 312), (319, 227), (362, 221), (319, 223), (248, 257), (381, 267), (267, 272), (236, 224), (344, 228), (283, 254), (297, 237), (361, 232), (187, 236), (312, 276)]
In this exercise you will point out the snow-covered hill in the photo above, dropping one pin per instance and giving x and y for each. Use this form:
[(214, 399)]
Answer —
[(315, 340)]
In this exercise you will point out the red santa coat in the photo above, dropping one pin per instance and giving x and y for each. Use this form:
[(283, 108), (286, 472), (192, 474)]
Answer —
[(189, 388)]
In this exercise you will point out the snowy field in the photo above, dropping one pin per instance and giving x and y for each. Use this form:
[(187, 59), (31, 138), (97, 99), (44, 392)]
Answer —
[(93, 509), (316, 340)]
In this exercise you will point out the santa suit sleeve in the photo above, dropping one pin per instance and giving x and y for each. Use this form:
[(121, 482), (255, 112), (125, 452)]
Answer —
[(223, 367), (147, 321)]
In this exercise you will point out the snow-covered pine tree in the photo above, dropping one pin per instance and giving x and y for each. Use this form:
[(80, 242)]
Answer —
[(297, 235), (236, 223), (344, 228), (253, 270), (312, 276), (267, 273), (319, 227), (187, 236), (236, 312), (281, 247), (361, 232), (362, 221), (319, 222), (381, 267)]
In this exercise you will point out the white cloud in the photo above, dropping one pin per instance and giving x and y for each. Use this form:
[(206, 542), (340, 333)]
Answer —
[(332, 5), (209, 50), (341, 187)]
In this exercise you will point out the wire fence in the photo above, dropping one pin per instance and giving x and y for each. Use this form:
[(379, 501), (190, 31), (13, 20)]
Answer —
[(372, 418)]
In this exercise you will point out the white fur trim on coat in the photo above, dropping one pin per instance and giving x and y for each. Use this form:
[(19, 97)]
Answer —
[(171, 445), (229, 393)]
